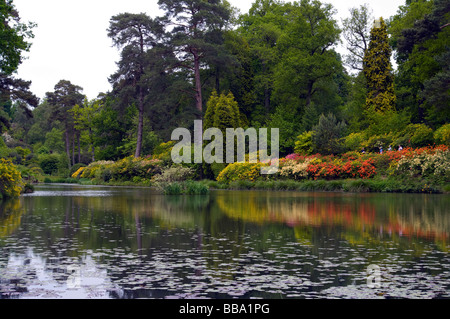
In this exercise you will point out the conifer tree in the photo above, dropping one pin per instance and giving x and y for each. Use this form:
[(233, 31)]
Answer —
[(222, 112), (378, 71)]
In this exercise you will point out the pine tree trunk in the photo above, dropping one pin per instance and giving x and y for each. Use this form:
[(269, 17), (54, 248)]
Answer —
[(92, 145), (66, 133), (79, 147), (198, 84), (140, 124)]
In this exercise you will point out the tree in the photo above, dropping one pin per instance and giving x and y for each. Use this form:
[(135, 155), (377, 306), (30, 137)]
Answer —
[(378, 71), (356, 32), (13, 37), (307, 62), (222, 112), (262, 27), (64, 97), (326, 135), (195, 35), (420, 34), (135, 34), (84, 119)]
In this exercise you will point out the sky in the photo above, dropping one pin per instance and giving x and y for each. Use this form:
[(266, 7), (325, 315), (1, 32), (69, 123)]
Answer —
[(71, 41)]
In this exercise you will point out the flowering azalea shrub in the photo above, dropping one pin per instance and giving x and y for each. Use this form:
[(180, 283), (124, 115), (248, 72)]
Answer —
[(338, 169), (11, 183), (425, 161), (126, 169), (434, 163), (240, 171)]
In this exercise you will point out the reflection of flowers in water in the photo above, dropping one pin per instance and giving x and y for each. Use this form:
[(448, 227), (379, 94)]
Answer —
[(10, 216), (317, 210)]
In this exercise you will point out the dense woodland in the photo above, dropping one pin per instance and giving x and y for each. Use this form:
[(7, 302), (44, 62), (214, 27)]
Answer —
[(275, 66)]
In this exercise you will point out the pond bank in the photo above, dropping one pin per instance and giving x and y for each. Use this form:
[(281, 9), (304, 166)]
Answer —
[(344, 185)]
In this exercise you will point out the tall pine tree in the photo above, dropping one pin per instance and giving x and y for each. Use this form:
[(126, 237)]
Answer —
[(378, 71)]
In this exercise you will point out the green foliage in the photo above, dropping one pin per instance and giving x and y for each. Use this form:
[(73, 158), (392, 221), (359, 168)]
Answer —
[(378, 71), (174, 180), (184, 188), (442, 135), (49, 163), (282, 120), (417, 135), (327, 134), (222, 112), (174, 173), (11, 183), (240, 171), (4, 151), (420, 35), (435, 166), (304, 144), (54, 140), (355, 141), (13, 38)]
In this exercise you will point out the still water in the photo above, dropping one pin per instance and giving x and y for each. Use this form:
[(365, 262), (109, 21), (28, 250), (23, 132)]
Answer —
[(72, 241)]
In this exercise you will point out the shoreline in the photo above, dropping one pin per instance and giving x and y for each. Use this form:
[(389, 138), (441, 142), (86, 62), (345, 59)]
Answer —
[(320, 185)]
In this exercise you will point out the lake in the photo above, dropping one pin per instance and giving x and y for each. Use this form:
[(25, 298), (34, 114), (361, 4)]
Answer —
[(73, 241)]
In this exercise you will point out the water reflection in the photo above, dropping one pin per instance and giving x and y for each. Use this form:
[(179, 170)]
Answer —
[(103, 242)]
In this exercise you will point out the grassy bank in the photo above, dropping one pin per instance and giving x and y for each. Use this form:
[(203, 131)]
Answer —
[(344, 185), (347, 185)]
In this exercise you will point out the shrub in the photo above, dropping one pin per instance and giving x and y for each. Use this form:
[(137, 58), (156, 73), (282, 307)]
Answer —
[(11, 183), (435, 165), (416, 135), (376, 142), (294, 169), (76, 167), (354, 141), (49, 163), (421, 135), (327, 134), (240, 171), (78, 172), (303, 144), (442, 135), (175, 173)]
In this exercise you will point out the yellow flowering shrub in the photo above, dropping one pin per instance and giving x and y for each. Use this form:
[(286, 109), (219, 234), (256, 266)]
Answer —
[(78, 172), (240, 171), (11, 183)]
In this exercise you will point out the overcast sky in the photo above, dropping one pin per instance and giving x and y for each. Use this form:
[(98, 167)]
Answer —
[(71, 41)]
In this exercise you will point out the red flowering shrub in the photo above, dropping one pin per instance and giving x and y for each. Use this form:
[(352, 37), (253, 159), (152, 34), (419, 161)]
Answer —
[(354, 164)]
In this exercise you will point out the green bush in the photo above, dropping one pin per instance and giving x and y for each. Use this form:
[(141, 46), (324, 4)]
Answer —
[(375, 142), (326, 136), (75, 167), (240, 171), (354, 141), (49, 163), (304, 144), (416, 135), (442, 135)]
